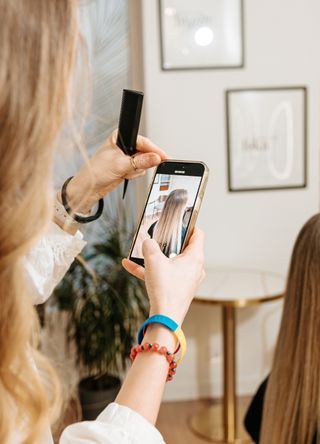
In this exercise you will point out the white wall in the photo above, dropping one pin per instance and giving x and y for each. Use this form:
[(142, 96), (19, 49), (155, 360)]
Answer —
[(185, 114)]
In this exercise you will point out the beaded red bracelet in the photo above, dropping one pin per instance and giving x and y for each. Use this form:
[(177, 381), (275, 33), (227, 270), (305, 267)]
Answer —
[(170, 357)]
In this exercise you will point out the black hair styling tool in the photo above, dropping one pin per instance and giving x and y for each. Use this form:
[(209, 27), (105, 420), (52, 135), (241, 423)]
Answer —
[(129, 121)]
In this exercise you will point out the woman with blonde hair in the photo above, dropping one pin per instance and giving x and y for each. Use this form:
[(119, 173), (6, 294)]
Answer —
[(286, 408), (169, 230), (38, 41)]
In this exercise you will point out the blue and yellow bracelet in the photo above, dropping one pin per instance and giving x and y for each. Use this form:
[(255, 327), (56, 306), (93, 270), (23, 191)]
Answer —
[(172, 326)]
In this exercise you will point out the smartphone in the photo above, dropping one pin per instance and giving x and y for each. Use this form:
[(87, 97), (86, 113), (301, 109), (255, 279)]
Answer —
[(171, 208)]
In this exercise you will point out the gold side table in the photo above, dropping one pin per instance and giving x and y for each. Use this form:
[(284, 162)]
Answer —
[(231, 289)]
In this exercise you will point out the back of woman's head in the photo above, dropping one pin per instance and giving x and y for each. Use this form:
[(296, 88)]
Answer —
[(37, 48), (168, 230), (291, 410)]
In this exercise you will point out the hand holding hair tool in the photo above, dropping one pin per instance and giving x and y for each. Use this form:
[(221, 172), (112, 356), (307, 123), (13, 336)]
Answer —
[(129, 121)]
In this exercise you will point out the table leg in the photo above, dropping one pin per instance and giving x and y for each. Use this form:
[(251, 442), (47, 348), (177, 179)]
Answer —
[(229, 370), (222, 422)]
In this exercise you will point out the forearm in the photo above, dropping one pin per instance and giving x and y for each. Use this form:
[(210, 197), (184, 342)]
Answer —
[(81, 200), (49, 259), (71, 229), (143, 387)]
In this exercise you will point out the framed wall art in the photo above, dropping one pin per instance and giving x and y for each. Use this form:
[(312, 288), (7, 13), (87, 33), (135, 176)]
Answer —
[(201, 34), (266, 138)]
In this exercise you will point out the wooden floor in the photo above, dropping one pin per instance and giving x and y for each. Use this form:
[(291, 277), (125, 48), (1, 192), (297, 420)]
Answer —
[(174, 421)]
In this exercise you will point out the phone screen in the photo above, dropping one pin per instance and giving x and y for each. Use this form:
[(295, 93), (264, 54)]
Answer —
[(169, 208)]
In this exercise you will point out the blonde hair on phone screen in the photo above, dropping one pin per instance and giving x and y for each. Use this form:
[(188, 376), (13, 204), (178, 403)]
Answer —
[(168, 229), (38, 42)]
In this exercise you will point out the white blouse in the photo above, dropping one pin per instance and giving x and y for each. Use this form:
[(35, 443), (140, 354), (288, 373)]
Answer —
[(45, 265)]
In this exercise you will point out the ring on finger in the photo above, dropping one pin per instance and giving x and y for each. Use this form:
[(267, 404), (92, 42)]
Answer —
[(133, 163)]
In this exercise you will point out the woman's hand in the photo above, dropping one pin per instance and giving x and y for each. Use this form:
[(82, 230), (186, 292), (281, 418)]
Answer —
[(108, 168), (171, 283)]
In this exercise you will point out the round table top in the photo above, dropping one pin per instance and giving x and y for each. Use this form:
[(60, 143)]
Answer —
[(239, 288)]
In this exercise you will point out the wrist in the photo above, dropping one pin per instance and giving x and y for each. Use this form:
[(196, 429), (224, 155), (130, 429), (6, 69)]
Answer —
[(63, 219), (160, 334), (177, 317), (80, 195), (169, 331)]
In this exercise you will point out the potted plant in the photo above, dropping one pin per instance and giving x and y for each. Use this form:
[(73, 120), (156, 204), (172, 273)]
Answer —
[(106, 306)]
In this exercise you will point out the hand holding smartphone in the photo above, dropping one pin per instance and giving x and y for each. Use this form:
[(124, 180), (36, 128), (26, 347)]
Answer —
[(172, 207)]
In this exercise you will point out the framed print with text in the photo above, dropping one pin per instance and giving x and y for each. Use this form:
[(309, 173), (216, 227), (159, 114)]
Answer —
[(266, 138), (200, 34)]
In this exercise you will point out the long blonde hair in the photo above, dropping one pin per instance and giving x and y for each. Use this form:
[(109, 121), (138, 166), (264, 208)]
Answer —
[(168, 230), (37, 49), (291, 411)]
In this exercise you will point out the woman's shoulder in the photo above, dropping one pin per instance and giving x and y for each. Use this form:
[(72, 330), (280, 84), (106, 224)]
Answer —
[(253, 418)]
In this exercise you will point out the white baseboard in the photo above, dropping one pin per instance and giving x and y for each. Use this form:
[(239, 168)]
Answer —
[(187, 389)]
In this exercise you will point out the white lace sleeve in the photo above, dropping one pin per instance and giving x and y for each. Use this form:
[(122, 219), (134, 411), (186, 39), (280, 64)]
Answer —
[(117, 424), (49, 260)]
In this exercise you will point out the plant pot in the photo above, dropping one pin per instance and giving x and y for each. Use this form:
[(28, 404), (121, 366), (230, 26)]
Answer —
[(96, 393)]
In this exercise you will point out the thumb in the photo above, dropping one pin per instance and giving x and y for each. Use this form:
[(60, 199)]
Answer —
[(146, 160), (151, 251)]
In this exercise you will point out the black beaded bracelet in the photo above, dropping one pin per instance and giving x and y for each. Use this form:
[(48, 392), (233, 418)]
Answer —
[(75, 216)]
